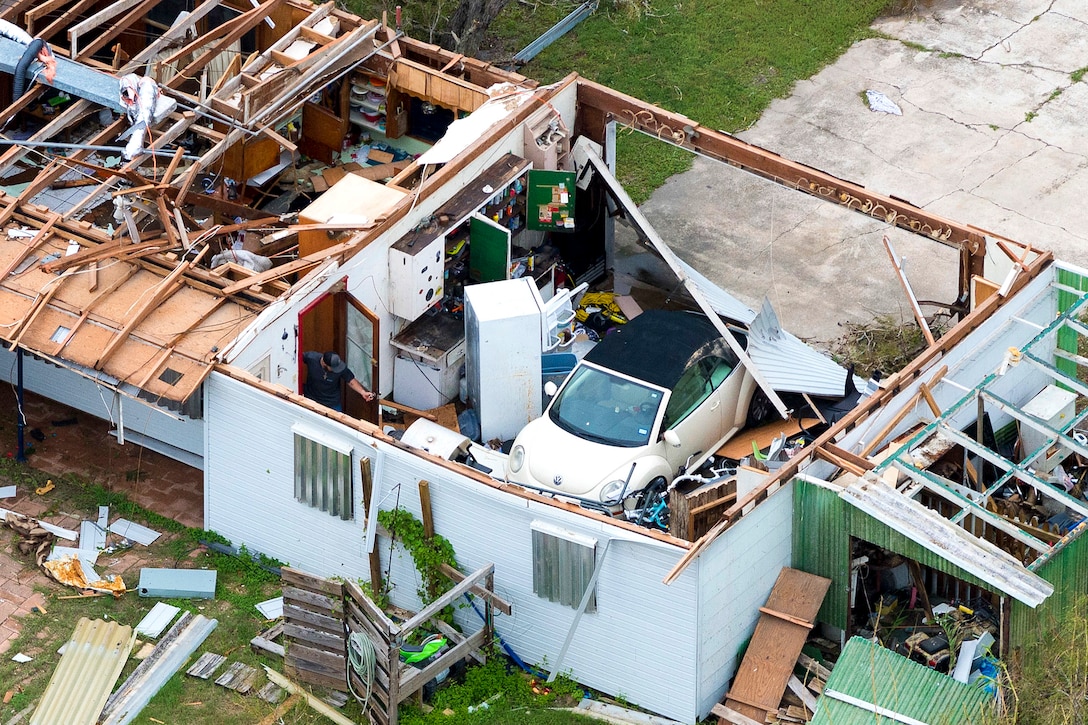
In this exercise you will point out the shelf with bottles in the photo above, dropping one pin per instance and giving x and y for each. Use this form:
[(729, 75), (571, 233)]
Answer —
[(508, 207)]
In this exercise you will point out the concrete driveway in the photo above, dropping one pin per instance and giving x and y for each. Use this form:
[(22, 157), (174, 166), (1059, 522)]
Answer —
[(992, 133)]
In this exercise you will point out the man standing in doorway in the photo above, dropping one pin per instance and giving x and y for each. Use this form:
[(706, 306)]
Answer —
[(324, 371)]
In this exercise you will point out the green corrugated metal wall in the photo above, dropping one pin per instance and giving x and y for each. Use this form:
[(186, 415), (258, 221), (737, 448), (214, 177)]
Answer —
[(1067, 338), (1068, 572), (823, 525), (821, 545)]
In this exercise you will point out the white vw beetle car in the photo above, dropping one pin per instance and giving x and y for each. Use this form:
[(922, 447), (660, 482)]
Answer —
[(653, 399)]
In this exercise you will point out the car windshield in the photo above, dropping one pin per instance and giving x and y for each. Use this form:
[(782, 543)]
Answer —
[(605, 408)]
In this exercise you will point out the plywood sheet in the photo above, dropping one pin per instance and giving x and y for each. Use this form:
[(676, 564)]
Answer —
[(780, 634)]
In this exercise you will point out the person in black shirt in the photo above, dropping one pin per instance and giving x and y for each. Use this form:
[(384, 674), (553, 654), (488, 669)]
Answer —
[(324, 371)]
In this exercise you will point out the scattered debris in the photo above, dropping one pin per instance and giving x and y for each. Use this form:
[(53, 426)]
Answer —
[(206, 665), (311, 699), (177, 583), (49, 486), (265, 641), (129, 530), (880, 102), (158, 619), (72, 571), (270, 693), (7, 491), (172, 652), (21, 658), (271, 608), (239, 677)]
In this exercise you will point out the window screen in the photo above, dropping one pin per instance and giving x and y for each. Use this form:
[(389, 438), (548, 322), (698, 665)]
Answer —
[(562, 567), (323, 478)]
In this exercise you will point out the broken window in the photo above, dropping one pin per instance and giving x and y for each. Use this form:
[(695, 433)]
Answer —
[(563, 565), (323, 477)]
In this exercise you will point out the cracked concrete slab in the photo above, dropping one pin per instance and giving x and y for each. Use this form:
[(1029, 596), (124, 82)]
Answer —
[(991, 135)]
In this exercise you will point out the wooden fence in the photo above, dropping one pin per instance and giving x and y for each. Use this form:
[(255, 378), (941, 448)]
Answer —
[(320, 615)]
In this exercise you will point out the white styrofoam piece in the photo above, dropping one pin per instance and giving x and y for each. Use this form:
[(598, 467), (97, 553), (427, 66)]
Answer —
[(7, 491), (20, 658), (135, 532), (160, 616), (271, 608)]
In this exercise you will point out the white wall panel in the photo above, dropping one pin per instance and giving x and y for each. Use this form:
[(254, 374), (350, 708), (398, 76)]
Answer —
[(641, 643)]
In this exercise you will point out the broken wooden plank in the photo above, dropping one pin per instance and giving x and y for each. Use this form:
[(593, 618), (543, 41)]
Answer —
[(206, 665), (731, 716), (813, 666), (802, 692), (239, 677)]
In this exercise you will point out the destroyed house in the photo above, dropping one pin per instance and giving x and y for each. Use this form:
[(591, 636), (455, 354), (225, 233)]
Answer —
[(316, 182)]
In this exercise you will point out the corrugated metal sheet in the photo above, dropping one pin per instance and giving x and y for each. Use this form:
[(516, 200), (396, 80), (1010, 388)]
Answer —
[(878, 676), (87, 671), (1067, 337), (821, 545), (788, 364), (1067, 570)]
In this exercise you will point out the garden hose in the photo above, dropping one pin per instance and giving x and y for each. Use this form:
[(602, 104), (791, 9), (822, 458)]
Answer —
[(361, 659)]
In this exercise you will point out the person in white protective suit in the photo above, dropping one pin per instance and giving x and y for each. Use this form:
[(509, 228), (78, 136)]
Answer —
[(139, 96)]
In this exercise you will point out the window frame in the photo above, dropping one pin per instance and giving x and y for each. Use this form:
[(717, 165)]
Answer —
[(563, 565), (323, 468)]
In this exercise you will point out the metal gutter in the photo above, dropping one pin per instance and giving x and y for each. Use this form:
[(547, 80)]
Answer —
[(91, 663), (555, 32)]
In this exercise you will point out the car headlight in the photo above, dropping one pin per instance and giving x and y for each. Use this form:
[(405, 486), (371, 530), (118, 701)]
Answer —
[(611, 491), (517, 458)]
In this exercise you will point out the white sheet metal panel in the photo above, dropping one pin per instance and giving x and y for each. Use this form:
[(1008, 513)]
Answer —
[(936, 533), (249, 482), (641, 643), (76, 391), (790, 365), (735, 575)]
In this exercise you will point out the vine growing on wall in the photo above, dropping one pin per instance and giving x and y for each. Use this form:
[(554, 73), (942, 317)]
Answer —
[(428, 554)]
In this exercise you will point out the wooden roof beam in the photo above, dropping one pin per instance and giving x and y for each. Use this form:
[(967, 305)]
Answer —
[(165, 289), (241, 25), (681, 131)]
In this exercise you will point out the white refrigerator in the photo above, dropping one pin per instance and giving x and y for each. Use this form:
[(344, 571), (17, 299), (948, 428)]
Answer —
[(503, 330)]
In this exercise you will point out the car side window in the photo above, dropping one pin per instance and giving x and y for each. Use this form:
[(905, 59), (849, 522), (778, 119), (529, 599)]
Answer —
[(719, 370), (693, 387)]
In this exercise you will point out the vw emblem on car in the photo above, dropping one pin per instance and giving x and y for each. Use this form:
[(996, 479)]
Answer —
[(558, 480)]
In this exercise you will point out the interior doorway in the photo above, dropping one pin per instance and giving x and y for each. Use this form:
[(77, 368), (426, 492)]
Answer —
[(339, 322)]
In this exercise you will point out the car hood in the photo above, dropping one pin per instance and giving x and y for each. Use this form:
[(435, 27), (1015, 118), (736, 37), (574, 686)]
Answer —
[(582, 466)]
